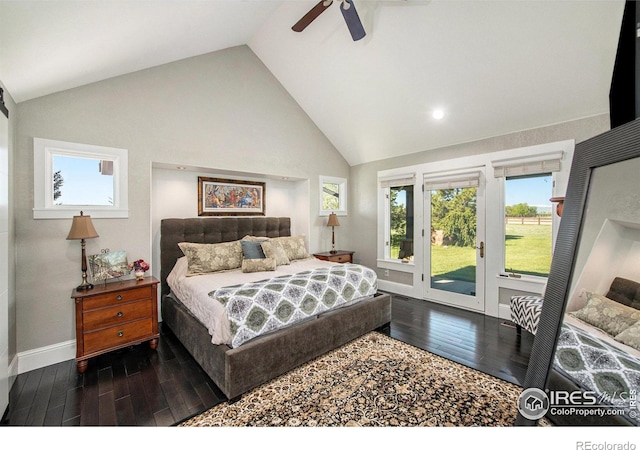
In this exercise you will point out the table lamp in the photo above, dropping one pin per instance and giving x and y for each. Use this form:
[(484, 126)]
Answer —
[(82, 228), (333, 222)]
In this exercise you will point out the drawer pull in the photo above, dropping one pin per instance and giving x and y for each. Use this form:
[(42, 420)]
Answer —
[(119, 314), (119, 297), (120, 333)]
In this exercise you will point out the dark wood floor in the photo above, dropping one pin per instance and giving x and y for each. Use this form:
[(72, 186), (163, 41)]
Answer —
[(139, 386)]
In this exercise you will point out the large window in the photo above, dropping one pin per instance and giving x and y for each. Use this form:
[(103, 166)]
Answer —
[(401, 223), (397, 191), (528, 224)]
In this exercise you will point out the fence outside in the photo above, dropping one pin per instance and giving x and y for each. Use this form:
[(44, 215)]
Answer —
[(532, 220)]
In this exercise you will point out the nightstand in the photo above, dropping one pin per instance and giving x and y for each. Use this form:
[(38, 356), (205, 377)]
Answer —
[(115, 315), (340, 256)]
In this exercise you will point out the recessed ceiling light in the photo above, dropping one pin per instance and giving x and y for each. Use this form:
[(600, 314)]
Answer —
[(181, 168), (438, 114)]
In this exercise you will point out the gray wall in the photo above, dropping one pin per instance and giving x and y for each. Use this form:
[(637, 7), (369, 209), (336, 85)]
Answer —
[(363, 178), (223, 111)]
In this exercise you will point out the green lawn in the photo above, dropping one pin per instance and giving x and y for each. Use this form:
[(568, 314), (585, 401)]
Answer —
[(528, 249), (528, 252), (455, 263)]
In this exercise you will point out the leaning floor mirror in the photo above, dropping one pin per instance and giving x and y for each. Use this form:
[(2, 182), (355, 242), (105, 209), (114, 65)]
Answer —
[(584, 367)]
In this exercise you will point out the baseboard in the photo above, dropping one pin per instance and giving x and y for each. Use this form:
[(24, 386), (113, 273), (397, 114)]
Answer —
[(13, 370), (45, 356), (396, 288), (504, 312)]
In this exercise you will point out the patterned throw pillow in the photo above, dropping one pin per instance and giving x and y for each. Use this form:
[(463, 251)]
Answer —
[(610, 316), (293, 246), (207, 258), (258, 265), (630, 336), (275, 251)]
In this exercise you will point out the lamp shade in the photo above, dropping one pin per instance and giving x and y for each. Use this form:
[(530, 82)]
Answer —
[(82, 228), (333, 220)]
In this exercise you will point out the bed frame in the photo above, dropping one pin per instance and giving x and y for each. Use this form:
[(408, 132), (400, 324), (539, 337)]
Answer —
[(236, 371)]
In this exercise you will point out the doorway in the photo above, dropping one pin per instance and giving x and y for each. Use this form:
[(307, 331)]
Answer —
[(454, 206)]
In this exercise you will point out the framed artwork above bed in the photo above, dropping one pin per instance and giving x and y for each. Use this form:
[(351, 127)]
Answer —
[(222, 197)]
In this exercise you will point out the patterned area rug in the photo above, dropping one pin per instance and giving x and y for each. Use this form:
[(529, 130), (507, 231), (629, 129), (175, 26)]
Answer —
[(373, 381)]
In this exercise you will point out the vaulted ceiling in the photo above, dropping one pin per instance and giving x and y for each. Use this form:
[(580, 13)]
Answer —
[(492, 67)]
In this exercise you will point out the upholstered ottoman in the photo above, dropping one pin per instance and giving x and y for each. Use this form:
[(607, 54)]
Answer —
[(525, 312)]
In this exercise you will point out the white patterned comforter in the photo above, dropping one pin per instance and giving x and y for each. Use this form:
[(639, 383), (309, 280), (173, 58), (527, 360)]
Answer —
[(194, 292)]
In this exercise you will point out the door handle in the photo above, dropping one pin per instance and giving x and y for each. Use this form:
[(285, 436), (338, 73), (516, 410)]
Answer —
[(481, 248)]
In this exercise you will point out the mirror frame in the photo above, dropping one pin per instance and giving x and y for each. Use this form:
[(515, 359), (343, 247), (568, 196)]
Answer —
[(619, 144)]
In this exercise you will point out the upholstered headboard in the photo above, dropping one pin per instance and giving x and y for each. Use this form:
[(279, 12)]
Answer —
[(625, 291), (212, 230)]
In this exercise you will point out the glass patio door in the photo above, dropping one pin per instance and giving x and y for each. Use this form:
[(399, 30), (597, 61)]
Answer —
[(454, 256)]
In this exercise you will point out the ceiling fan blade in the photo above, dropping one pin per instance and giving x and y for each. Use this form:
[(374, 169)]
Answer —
[(350, 15), (311, 15)]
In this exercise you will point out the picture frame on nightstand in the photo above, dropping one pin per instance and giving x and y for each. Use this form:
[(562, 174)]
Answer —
[(107, 265)]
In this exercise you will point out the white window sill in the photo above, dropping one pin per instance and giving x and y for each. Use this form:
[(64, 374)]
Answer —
[(69, 212), (523, 281), (396, 265)]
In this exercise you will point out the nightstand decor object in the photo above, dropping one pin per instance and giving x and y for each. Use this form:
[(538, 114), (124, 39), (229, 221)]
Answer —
[(139, 267), (82, 228), (339, 256), (333, 222)]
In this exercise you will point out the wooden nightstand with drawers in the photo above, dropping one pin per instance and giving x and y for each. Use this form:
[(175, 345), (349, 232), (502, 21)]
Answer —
[(115, 315), (340, 256)]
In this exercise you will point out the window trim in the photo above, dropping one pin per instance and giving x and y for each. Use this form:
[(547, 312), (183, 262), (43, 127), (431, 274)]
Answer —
[(555, 222), (44, 151), (386, 183), (342, 195)]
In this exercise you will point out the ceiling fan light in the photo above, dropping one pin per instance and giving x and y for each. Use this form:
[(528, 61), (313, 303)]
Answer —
[(345, 5)]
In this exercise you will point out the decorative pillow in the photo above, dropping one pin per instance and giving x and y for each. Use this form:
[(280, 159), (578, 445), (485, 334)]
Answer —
[(207, 258), (293, 246), (630, 336), (258, 265), (252, 250), (255, 238), (275, 251), (625, 291), (602, 312)]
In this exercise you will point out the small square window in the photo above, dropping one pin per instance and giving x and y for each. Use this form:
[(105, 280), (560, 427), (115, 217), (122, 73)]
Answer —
[(70, 177), (333, 196)]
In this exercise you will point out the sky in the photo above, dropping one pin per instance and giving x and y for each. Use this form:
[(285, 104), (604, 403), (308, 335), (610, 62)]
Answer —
[(82, 182), (535, 191)]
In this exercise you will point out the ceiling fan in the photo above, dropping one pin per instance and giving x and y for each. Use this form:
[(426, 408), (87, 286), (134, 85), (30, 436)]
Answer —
[(349, 13)]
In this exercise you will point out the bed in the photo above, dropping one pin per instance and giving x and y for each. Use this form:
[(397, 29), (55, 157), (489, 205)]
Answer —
[(236, 369), (598, 352)]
